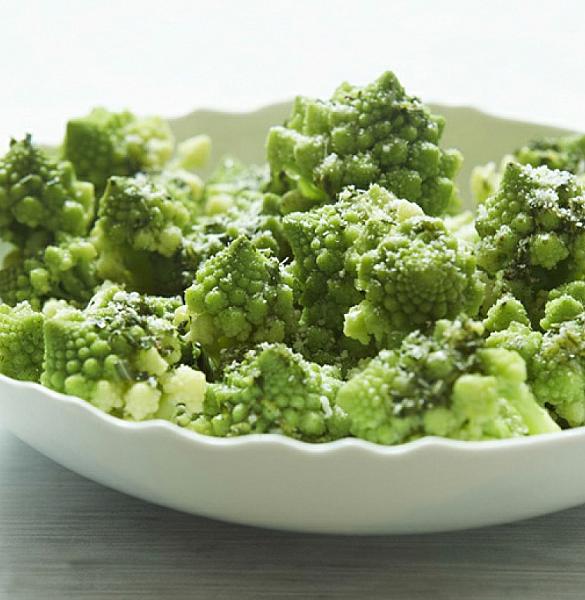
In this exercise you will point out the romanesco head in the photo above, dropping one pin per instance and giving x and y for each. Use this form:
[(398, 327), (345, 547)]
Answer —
[(21, 342), (137, 213), (240, 296), (64, 270), (533, 231), (416, 274), (140, 232), (558, 369), (274, 390), (120, 353), (320, 240), (375, 134), (565, 153), (555, 357), (40, 197), (446, 384), (326, 243), (104, 143)]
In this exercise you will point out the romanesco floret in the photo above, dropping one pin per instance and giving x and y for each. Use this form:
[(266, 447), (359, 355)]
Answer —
[(445, 384), (418, 273), (533, 232), (122, 354), (139, 232), (375, 134), (40, 197), (556, 357), (21, 342), (64, 270), (565, 153), (562, 153), (273, 390), (326, 243), (240, 296), (104, 143)]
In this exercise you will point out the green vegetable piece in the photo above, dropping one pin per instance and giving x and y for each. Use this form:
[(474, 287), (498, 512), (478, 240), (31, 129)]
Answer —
[(565, 153), (122, 354), (40, 197), (240, 296), (418, 273), (104, 143), (193, 153), (375, 134), (140, 232), (274, 390), (21, 342), (326, 243), (556, 358), (532, 232), (506, 310), (445, 384), (65, 270)]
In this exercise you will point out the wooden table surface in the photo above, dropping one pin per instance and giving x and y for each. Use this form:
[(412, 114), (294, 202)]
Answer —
[(64, 537)]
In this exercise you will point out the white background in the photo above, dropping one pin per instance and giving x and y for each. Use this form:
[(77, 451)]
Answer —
[(60, 58)]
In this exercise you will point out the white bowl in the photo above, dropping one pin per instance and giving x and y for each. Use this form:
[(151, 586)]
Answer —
[(349, 486)]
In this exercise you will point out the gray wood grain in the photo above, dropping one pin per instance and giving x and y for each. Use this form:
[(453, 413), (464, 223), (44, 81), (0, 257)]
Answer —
[(62, 536)]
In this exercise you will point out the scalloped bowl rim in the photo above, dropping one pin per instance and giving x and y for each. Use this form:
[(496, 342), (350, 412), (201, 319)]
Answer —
[(260, 439)]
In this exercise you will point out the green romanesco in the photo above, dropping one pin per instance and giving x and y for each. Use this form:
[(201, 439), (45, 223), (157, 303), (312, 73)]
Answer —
[(566, 153), (64, 270), (326, 243), (556, 356), (375, 134), (40, 197), (447, 384), (273, 390), (123, 354), (140, 230), (418, 273), (21, 342), (240, 296), (104, 143), (533, 232)]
